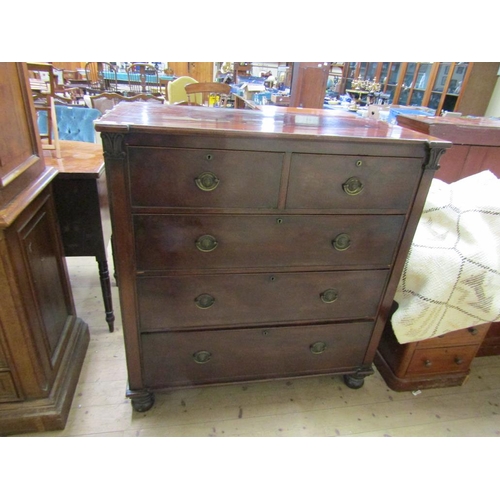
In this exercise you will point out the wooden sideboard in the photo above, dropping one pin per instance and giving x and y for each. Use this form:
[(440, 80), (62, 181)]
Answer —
[(445, 360), (254, 245), (42, 341)]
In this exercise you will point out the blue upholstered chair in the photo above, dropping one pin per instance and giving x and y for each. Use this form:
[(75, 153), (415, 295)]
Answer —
[(74, 123)]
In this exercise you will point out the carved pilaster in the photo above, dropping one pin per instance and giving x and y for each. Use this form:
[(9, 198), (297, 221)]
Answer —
[(113, 146)]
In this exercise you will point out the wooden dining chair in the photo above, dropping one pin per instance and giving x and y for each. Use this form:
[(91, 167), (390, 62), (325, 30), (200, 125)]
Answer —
[(143, 78), (108, 100), (101, 77), (212, 94), (43, 84)]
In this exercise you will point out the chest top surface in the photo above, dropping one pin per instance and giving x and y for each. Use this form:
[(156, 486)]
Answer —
[(296, 123)]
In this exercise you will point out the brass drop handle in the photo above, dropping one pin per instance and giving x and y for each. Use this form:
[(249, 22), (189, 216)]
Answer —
[(341, 242), (206, 243), (353, 186), (207, 181), (458, 360), (204, 301), (472, 330), (318, 347), (202, 357), (329, 296), (427, 363)]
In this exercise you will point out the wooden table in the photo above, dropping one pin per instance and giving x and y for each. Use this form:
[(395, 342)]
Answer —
[(81, 200)]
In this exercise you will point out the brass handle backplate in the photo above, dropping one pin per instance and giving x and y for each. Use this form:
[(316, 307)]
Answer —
[(329, 296), (204, 301), (206, 243), (318, 347), (201, 357), (341, 242), (353, 186), (207, 181)]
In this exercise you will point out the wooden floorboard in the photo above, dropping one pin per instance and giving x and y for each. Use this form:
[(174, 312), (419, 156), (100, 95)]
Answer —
[(313, 407)]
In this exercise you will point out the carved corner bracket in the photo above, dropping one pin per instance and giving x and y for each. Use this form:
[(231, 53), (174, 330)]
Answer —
[(113, 146), (433, 155)]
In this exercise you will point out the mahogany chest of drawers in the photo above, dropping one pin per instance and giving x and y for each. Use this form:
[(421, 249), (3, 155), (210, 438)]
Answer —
[(253, 245)]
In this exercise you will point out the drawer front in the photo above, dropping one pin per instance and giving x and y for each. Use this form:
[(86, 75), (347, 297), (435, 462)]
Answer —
[(247, 241), (473, 335), (203, 178), (236, 299), (444, 360), (349, 182), (190, 358), (7, 388)]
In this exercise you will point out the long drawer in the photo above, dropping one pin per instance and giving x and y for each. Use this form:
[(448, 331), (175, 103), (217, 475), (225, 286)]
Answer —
[(238, 299), (256, 241), (204, 178), (445, 360), (352, 182), (190, 358)]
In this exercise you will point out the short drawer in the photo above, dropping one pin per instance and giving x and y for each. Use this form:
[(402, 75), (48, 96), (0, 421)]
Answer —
[(441, 360), (191, 358), (473, 335), (204, 178), (7, 388), (244, 299), (261, 241), (352, 182)]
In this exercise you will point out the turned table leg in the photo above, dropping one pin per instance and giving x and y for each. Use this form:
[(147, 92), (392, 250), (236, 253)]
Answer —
[(106, 292)]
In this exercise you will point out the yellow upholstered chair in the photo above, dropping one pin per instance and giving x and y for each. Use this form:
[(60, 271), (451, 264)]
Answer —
[(176, 92)]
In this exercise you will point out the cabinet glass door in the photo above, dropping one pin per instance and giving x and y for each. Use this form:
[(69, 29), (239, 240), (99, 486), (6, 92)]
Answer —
[(421, 83), (440, 84), (392, 80), (407, 84), (351, 74), (371, 71), (384, 72), (454, 86)]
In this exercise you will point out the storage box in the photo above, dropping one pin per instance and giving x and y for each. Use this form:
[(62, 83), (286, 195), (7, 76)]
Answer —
[(250, 89), (280, 100)]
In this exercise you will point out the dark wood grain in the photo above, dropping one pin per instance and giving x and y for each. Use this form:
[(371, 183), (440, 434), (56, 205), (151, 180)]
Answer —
[(42, 341), (251, 354), (272, 221)]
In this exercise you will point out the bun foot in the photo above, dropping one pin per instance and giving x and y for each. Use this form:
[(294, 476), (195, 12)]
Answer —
[(354, 381), (142, 402)]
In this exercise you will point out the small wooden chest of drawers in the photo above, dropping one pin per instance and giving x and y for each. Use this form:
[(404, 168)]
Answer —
[(255, 245), (437, 362)]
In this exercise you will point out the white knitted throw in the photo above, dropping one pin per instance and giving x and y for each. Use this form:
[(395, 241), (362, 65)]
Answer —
[(451, 279)]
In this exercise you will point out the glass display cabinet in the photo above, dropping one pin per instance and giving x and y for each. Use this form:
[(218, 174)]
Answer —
[(442, 86)]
